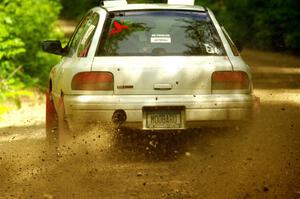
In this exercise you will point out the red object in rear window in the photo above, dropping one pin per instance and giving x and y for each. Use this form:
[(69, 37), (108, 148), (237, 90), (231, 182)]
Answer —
[(118, 28), (101, 81), (230, 80)]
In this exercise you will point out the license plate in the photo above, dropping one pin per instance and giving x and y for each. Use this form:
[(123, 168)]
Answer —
[(164, 119)]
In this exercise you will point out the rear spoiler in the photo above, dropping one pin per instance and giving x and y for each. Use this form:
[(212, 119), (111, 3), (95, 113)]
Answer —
[(112, 3), (182, 2)]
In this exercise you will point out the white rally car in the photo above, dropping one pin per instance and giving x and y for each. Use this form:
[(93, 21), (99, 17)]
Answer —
[(147, 66)]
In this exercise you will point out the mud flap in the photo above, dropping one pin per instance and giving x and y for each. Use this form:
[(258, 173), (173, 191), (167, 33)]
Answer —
[(50, 112), (51, 120), (63, 131)]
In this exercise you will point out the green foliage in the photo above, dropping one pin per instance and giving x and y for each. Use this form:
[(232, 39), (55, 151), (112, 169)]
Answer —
[(75, 9), (268, 24), (23, 25)]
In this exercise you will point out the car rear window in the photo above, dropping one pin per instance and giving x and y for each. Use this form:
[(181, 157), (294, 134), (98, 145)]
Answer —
[(160, 33)]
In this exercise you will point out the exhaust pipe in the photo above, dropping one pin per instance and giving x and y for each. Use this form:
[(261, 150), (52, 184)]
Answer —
[(119, 117)]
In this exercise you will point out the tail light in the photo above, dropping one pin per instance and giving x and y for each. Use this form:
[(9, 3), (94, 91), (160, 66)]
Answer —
[(230, 80), (93, 81)]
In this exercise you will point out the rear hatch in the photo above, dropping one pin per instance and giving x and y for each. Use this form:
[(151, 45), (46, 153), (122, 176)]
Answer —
[(161, 52), (162, 75)]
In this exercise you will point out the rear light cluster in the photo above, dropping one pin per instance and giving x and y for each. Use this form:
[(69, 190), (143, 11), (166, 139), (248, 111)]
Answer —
[(230, 80), (93, 81)]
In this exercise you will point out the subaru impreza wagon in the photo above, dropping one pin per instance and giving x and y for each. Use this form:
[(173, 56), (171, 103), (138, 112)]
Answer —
[(148, 66)]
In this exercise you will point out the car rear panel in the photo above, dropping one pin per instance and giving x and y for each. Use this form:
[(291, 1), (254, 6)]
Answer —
[(197, 110), (162, 75)]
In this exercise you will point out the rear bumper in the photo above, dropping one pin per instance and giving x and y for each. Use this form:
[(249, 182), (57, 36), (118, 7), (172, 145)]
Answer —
[(199, 110)]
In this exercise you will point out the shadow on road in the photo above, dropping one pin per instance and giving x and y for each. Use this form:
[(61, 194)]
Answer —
[(276, 81), (273, 70)]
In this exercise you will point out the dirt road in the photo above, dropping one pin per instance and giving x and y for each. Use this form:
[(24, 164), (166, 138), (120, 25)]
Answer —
[(261, 161)]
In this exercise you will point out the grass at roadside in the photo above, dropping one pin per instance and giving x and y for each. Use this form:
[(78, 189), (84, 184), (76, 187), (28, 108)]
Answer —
[(16, 99), (4, 109)]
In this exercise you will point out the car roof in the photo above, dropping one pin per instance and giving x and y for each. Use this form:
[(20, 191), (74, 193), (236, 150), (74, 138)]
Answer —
[(129, 7)]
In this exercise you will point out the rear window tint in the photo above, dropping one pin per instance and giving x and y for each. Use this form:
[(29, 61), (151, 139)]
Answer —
[(160, 33)]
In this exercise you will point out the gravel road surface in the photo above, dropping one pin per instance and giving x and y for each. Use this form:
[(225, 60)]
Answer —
[(257, 161)]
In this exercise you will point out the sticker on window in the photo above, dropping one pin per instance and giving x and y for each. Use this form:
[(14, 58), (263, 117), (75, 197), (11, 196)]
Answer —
[(87, 34), (211, 49), (161, 38)]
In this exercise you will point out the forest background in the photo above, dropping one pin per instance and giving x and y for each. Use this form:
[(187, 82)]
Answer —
[(271, 25)]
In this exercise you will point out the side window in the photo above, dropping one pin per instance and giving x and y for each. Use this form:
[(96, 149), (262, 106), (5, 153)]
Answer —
[(87, 35), (73, 44)]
